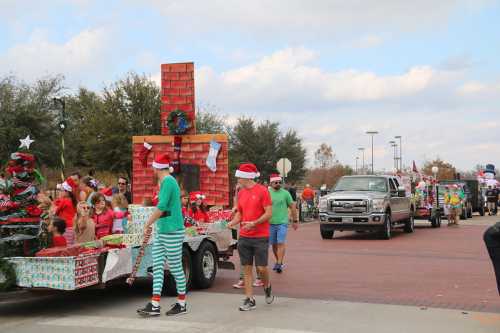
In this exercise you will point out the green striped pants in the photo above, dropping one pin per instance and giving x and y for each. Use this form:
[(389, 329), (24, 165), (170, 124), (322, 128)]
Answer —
[(168, 246)]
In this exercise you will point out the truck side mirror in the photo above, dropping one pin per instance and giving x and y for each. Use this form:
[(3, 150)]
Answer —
[(401, 192)]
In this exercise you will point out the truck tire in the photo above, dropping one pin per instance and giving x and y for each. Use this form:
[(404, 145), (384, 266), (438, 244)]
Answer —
[(204, 265), (436, 221), (410, 224), (387, 231), (7, 275), (325, 232), (169, 285)]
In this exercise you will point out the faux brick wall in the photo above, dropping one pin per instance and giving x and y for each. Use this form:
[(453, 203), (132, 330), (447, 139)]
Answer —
[(215, 185), (177, 92)]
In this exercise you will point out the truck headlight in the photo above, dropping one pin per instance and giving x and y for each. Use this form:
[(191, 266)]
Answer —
[(323, 205), (378, 205)]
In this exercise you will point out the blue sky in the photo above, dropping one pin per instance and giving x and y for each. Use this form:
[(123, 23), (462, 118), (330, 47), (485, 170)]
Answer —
[(426, 70)]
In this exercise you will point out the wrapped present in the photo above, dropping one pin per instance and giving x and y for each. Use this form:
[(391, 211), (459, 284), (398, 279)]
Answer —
[(134, 239), (219, 215), (138, 216), (113, 239), (63, 273)]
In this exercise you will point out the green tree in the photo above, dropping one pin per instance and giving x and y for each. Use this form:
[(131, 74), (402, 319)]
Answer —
[(209, 120), (446, 170), (29, 110), (263, 144)]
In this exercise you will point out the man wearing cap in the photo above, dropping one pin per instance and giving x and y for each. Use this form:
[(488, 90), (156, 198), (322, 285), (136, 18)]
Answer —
[(282, 201), (254, 209), (168, 241)]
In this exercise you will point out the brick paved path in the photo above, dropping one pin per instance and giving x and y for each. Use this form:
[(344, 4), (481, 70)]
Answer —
[(444, 268)]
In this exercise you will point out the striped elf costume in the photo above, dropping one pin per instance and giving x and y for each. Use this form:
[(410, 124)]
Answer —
[(167, 244)]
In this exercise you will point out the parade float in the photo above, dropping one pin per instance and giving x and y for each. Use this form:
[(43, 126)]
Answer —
[(200, 164)]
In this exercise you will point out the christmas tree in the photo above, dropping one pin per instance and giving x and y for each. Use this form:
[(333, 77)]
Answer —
[(19, 212)]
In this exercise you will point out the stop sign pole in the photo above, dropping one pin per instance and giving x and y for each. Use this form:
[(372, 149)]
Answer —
[(284, 166)]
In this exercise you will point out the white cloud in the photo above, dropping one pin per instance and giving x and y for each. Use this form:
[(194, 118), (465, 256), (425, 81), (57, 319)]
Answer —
[(80, 56), (270, 19), (477, 88), (366, 41)]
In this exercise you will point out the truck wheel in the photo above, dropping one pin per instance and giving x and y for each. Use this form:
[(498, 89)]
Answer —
[(326, 233), (387, 231), (169, 285), (410, 224), (204, 266)]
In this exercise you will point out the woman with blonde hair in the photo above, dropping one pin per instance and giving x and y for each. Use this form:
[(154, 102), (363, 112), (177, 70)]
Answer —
[(83, 225)]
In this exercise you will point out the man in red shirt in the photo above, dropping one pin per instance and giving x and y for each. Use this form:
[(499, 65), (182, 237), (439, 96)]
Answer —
[(254, 209)]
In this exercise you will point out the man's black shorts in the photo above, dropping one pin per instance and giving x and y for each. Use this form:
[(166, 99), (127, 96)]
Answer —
[(248, 248)]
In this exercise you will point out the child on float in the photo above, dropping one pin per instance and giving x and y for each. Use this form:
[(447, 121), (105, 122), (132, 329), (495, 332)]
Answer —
[(119, 204), (65, 207), (56, 228), (198, 210), (102, 216), (83, 225)]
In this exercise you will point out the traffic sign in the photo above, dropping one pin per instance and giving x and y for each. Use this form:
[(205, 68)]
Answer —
[(284, 166)]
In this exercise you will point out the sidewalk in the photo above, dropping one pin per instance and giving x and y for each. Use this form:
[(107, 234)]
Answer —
[(211, 312)]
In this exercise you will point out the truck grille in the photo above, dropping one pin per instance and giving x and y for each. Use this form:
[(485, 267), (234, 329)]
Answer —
[(348, 206)]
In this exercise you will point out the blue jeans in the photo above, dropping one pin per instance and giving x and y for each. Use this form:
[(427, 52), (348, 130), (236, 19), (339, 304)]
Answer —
[(277, 233)]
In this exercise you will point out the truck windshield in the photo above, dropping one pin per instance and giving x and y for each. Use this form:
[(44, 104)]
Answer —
[(376, 184)]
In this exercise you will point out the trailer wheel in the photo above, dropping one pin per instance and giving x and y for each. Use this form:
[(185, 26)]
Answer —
[(204, 266), (7, 275), (169, 285)]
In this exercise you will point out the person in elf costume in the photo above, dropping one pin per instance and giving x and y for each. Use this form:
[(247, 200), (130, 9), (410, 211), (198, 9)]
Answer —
[(167, 245)]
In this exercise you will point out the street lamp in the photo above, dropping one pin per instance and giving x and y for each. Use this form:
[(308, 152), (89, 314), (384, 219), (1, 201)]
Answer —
[(395, 146), (357, 158), (400, 151), (62, 126), (435, 171), (361, 149), (372, 133)]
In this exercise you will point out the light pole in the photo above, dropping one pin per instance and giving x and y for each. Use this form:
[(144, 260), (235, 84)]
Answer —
[(357, 158), (393, 145), (400, 151), (62, 126), (361, 149), (372, 134)]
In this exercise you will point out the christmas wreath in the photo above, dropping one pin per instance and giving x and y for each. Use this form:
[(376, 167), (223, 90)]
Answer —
[(7, 275), (178, 122)]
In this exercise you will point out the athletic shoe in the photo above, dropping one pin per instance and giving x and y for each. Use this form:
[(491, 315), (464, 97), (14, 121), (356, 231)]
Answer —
[(258, 283), (177, 309), (149, 310), (276, 265), (239, 285), (248, 305), (280, 268), (269, 295)]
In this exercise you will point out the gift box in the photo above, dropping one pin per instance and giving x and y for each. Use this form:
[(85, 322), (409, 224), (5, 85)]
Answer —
[(62, 273), (138, 217), (113, 239), (60, 251), (134, 239)]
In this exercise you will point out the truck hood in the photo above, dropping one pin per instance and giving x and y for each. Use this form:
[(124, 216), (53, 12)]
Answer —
[(364, 195)]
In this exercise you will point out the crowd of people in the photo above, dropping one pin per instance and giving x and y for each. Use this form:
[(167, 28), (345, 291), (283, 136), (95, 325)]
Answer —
[(83, 211)]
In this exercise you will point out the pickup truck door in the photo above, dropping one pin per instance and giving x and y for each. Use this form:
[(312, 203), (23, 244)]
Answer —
[(398, 204)]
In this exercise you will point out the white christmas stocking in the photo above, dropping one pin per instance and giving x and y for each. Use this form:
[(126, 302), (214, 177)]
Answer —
[(212, 155)]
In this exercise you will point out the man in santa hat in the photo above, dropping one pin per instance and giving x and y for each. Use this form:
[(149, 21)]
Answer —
[(282, 201), (169, 223), (254, 209)]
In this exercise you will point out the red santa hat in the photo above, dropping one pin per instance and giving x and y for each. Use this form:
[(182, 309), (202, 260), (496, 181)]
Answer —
[(162, 161), (108, 193), (275, 178), (247, 171), (68, 185), (197, 195)]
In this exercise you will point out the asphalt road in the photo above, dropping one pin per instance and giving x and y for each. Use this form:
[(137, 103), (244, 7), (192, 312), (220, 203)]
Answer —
[(435, 280)]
